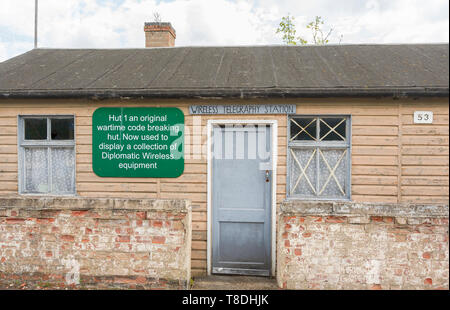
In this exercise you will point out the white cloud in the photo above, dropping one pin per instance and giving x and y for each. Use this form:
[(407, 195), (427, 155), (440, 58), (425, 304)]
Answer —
[(3, 52), (105, 24)]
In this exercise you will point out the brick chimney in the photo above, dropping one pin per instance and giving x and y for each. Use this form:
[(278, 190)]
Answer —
[(159, 35)]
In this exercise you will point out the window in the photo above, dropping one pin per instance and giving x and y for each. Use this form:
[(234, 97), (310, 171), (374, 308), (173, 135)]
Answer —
[(319, 157), (46, 155)]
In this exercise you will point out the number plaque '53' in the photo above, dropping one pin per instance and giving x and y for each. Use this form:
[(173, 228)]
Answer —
[(423, 117)]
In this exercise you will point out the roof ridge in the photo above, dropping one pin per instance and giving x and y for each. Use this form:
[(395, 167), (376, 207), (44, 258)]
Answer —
[(244, 45)]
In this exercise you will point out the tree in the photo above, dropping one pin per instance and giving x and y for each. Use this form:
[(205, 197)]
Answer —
[(318, 36), (287, 27)]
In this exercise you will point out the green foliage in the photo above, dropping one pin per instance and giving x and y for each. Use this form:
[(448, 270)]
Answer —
[(318, 36), (287, 27)]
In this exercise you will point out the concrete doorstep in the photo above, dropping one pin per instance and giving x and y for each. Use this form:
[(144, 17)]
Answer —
[(232, 282)]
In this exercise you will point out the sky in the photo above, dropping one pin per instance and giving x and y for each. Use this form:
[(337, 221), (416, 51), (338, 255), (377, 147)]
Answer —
[(119, 23)]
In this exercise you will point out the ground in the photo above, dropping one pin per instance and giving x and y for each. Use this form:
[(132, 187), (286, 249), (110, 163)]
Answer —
[(202, 283), (234, 283)]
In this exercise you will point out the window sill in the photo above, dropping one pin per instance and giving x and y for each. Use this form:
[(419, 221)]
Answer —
[(318, 199), (47, 195)]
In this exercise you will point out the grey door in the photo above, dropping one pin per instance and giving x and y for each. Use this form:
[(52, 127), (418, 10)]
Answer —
[(241, 199)]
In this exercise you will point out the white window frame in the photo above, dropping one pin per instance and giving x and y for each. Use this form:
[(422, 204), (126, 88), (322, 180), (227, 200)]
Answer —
[(49, 144), (309, 144)]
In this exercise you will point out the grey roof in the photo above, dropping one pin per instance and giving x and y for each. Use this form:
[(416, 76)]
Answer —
[(241, 72)]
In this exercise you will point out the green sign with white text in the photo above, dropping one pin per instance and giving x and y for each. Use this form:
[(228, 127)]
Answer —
[(138, 142)]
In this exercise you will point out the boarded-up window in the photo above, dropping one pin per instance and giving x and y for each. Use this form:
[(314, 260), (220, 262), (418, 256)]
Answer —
[(319, 157), (47, 155)]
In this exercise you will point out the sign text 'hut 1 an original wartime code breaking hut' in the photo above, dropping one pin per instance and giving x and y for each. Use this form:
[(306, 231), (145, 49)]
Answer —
[(138, 142), (149, 167)]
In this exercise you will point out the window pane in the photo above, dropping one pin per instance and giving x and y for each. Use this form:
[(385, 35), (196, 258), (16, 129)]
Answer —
[(303, 184), (63, 169), (62, 128), (303, 128), (35, 128), (36, 170), (332, 160), (332, 129)]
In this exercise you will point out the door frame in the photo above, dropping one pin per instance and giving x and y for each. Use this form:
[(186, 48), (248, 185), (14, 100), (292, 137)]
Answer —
[(274, 153)]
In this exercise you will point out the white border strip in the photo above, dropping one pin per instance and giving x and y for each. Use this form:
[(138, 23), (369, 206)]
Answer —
[(274, 128)]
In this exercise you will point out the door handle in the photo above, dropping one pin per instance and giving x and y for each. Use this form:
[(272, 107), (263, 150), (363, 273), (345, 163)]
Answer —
[(267, 176)]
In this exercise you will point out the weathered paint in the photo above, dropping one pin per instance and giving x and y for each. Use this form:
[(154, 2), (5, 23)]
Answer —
[(362, 246), (393, 160), (141, 243)]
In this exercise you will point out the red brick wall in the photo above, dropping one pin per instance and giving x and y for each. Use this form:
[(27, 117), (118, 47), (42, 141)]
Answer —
[(96, 242), (361, 246), (159, 39)]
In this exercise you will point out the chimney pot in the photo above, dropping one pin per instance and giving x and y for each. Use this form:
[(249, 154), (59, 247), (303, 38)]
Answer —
[(159, 35)]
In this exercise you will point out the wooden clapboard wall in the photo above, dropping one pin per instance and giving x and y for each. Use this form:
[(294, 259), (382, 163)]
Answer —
[(393, 160)]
